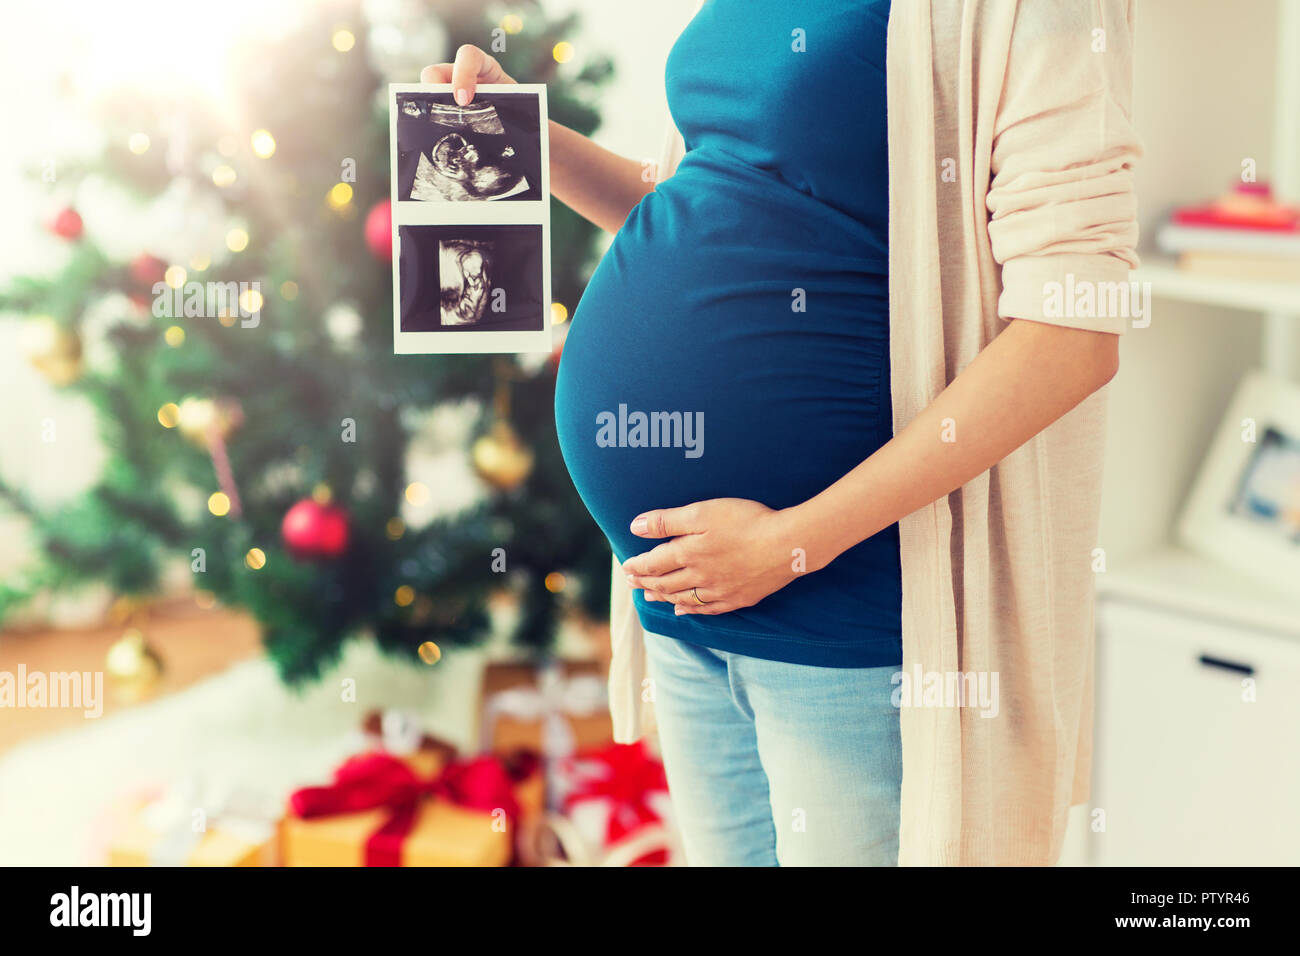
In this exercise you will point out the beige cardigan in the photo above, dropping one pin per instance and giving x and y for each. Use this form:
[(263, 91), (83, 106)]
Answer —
[(1011, 149)]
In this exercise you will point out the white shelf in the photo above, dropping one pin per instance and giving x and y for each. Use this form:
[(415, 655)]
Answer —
[(1168, 281), (1183, 581)]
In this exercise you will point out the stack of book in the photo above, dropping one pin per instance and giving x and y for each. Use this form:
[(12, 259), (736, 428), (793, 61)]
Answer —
[(1244, 234)]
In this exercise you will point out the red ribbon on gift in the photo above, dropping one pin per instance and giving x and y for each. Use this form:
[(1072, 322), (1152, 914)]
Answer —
[(626, 776), (379, 779)]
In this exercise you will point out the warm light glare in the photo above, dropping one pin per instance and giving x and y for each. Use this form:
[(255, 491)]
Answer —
[(236, 240), (175, 276), (559, 313), (250, 300), (138, 143), (152, 45), (417, 492), (563, 51), (512, 23), (174, 336), (344, 40), (223, 176), (554, 582), (263, 144), (219, 504), (340, 195), (430, 652), (404, 595), (255, 559), (169, 416), (395, 528)]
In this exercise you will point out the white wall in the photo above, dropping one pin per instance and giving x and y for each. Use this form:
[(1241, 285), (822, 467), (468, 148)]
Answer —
[(1203, 102)]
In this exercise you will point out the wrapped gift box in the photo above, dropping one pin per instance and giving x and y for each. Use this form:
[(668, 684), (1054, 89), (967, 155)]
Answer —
[(554, 709), (238, 829), (615, 792), (443, 835), (422, 809), (616, 812), (400, 733)]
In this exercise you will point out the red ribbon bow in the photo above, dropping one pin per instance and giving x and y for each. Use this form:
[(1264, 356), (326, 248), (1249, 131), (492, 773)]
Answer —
[(379, 779), (627, 776)]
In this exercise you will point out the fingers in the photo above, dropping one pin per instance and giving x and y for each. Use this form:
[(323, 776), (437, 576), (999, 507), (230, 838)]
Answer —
[(684, 601), (681, 580), (663, 559), (688, 599), (471, 68), (466, 71), (667, 522)]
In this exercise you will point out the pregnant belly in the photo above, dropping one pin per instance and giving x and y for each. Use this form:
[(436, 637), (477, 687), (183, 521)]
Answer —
[(728, 345)]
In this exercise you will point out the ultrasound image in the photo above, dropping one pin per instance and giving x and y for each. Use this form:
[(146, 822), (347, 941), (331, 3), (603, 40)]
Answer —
[(486, 151)]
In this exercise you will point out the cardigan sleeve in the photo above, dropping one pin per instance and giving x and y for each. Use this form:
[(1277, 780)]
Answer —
[(632, 714), (1063, 216)]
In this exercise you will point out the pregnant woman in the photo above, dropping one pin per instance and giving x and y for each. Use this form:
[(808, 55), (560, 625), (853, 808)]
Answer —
[(807, 397)]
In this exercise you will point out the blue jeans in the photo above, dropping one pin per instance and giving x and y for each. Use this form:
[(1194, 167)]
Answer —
[(774, 764)]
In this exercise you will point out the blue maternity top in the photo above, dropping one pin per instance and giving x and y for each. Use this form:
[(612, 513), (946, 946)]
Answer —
[(734, 340)]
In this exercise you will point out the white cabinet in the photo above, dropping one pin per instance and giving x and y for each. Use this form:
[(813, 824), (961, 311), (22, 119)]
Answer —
[(1188, 770)]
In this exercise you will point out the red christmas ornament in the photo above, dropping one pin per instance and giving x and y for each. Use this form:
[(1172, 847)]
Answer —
[(67, 224), (379, 231), (314, 530), (145, 272), (147, 269)]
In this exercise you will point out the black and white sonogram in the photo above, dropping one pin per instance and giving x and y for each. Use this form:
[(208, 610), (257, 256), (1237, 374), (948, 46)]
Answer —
[(470, 191), (486, 151), (465, 274), (471, 278)]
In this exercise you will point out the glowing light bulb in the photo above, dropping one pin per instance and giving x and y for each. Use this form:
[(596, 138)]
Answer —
[(263, 144)]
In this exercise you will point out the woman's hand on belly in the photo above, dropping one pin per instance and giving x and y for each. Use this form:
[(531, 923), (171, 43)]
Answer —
[(732, 552)]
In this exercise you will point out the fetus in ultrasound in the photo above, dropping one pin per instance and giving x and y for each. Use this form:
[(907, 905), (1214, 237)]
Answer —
[(465, 275), (459, 170)]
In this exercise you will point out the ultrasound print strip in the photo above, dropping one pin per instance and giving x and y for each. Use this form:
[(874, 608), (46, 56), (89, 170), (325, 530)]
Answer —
[(486, 151), (471, 220), (471, 278)]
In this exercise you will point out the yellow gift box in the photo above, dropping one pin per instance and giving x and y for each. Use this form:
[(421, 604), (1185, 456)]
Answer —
[(135, 843), (162, 832), (443, 833)]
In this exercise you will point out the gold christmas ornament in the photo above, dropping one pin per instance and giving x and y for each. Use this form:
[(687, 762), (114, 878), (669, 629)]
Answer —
[(196, 418), (52, 350), (132, 667), (500, 458)]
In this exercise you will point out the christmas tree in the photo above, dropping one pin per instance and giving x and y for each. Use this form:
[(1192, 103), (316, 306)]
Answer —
[(265, 441)]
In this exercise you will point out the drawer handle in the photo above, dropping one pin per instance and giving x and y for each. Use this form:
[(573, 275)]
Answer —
[(1233, 666)]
